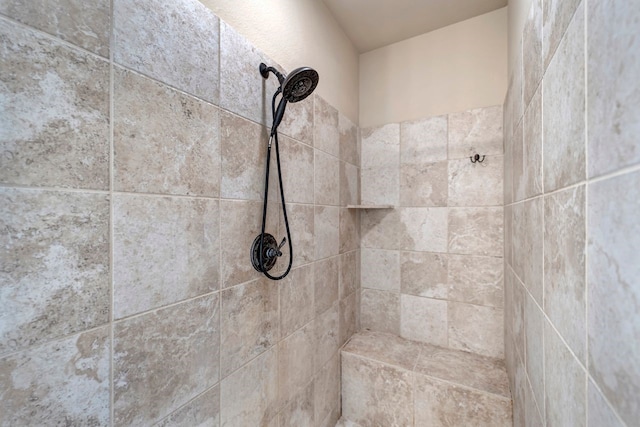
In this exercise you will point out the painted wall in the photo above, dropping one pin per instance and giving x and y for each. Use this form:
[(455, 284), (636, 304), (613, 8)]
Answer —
[(459, 67), (300, 32)]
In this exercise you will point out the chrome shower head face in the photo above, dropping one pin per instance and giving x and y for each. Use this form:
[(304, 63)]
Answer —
[(299, 84)]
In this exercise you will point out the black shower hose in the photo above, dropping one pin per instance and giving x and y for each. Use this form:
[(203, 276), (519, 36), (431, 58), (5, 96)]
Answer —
[(274, 135)]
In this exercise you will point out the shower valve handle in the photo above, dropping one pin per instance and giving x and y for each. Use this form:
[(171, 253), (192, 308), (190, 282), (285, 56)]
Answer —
[(272, 253)]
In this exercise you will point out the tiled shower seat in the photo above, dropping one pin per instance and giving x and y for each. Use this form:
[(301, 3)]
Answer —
[(389, 381)]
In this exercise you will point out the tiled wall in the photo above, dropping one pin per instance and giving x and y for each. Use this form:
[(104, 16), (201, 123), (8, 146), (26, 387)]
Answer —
[(572, 195), (432, 266), (132, 158)]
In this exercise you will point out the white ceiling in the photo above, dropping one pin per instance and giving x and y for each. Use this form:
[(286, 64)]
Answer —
[(371, 24)]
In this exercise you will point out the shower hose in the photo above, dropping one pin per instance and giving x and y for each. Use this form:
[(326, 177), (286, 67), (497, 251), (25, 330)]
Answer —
[(274, 138)]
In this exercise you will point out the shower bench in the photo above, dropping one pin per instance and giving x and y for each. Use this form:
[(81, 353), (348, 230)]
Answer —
[(389, 381)]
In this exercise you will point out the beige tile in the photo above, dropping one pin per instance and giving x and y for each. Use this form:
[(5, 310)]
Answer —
[(327, 391), (299, 411), (508, 235), (533, 67), (423, 141), (349, 230), (63, 382), (475, 131), (380, 269), (349, 282), (164, 359), (612, 71), (349, 184), (443, 404), (423, 274), (423, 229), (326, 179), (519, 179), (564, 266), (380, 311), (250, 395), (165, 142), (423, 184), (164, 250), (326, 283), (327, 231), (528, 236), (347, 318), (384, 347), (332, 418), (297, 170), (476, 329), (249, 322), (533, 417), (518, 393), (517, 307), (600, 413), (381, 228), (326, 133), (556, 18), (564, 383), (476, 184), (476, 231), (348, 140), (564, 108), (534, 348), (176, 43), (531, 183), (295, 362), (327, 330), (301, 226), (296, 299), (297, 122), (613, 271), (507, 185), (423, 319), (202, 411), (514, 100), (367, 397), (487, 374), (54, 248), (380, 168), (476, 280), (55, 113)]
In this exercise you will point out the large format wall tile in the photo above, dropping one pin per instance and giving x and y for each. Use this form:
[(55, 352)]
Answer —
[(476, 329), (348, 140), (380, 269), (530, 183), (423, 319), (202, 411), (326, 283), (475, 131), (54, 116), (534, 321), (349, 230), (528, 239), (348, 315), (296, 296), (423, 229), (164, 250), (423, 184), (176, 43), (301, 226), (65, 382), (476, 231), (600, 413), (557, 16), (349, 184), (476, 184), (295, 362), (326, 133), (327, 336), (423, 141), (613, 65), (614, 294), (165, 142), (249, 322), (327, 385), (380, 169), (326, 179), (297, 122), (327, 231), (380, 311), (564, 109), (164, 359), (533, 67), (297, 170), (422, 274), (476, 280), (81, 22), (349, 280), (299, 411), (54, 248)]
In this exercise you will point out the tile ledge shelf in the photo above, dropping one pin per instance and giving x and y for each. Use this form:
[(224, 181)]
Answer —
[(370, 207)]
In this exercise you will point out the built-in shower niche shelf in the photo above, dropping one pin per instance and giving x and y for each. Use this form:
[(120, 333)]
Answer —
[(370, 207)]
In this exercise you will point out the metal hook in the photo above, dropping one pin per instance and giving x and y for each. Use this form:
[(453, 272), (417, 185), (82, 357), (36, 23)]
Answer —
[(476, 158)]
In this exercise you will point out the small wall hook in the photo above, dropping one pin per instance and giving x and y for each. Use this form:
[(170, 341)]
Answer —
[(476, 158)]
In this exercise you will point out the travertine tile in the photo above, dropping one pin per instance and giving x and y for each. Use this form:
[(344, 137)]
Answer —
[(534, 347), (299, 411), (380, 311), (348, 315), (472, 370), (54, 248), (564, 383), (423, 184), (295, 362), (564, 266), (564, 108), (613, 65), (250, 395), (297, 170), (423, 274), (423, 229), (349, 184), (508, 183), (249, 322), (423, 319), (301, 225), (83, 23), (476, 329), (296, 299), (326, 179), (533, 417), (533, 67), (380, 169), (380, 228), (441, 404), (326, 283), (327, 330), (476, 184), (600, 413), (176, 43), (514, 109), (476, 280), (476, 231), (326, 133), (327, 385), (385, 347), (334, 415), (297, 121), (327, 231), (557, 16), (54, 115), (519, 179), (348, 140), (64, 382), (380, 269), (349, 230), (376, 394), (423, 141), (528, 236), (531, 183), (508, 235), (163, 359), (165, 142), (613, 271), (475, 131), (518, 393), (349, 280), (164, 250), (203, 411), (519, 295)]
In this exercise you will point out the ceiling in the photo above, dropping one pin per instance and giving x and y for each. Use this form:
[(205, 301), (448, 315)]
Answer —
[(371, 24)]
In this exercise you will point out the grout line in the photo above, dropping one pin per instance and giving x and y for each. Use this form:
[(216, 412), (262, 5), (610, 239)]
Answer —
[(586, 213), (58, 189), (222, 254), (155, 310), (111, 214)]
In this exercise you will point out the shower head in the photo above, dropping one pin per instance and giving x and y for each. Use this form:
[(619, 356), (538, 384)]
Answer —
[(295, 86)]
